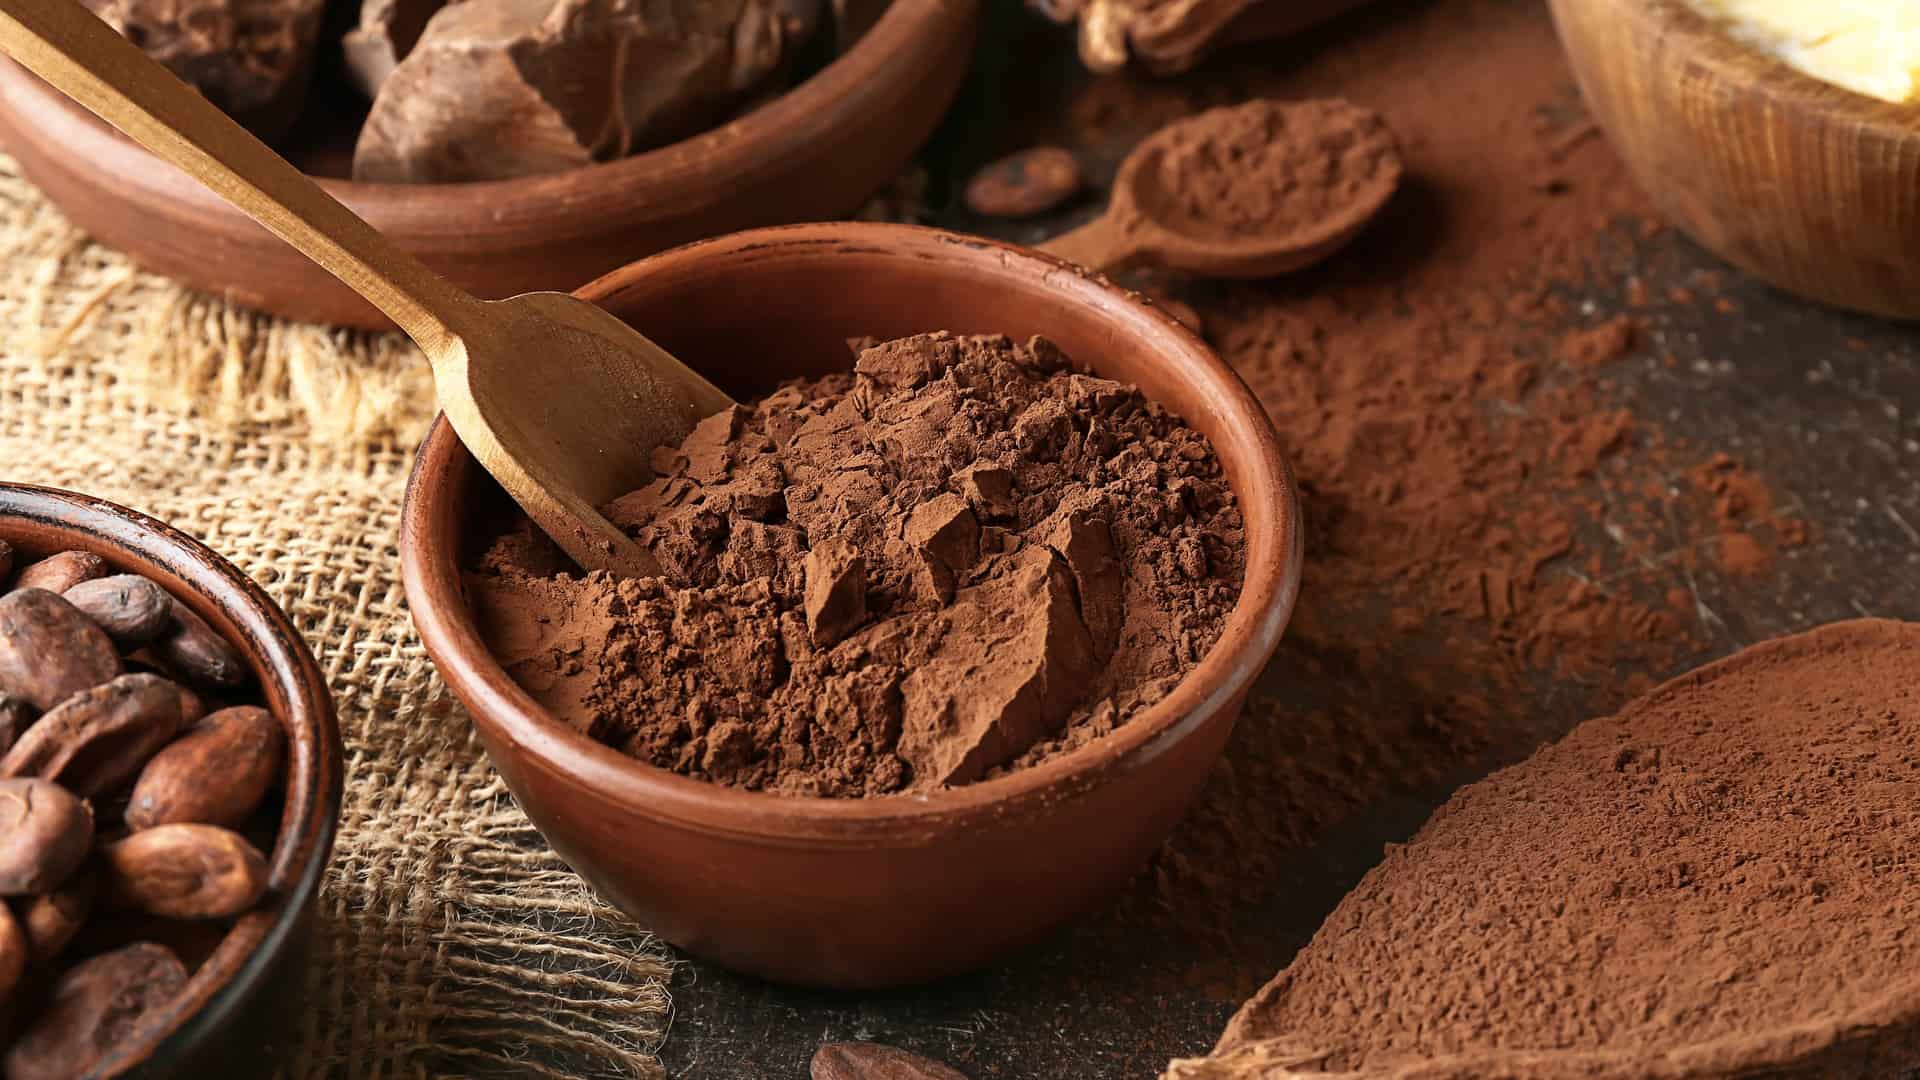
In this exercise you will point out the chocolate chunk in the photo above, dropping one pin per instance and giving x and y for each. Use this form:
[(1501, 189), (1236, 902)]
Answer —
[(1006, 675), (502, 88), (836, 597), (252, 58), (387, 32)]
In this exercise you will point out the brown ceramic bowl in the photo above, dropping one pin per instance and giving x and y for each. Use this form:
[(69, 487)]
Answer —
[(231, 1020), (875, 892), (1801, 183), (814, 153)]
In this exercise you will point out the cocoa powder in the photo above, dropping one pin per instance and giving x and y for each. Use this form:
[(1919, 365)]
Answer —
[(1269, 169), (964, 557), (1717, 881)]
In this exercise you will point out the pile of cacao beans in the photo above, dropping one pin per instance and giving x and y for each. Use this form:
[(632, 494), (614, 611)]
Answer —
[(133, 776)]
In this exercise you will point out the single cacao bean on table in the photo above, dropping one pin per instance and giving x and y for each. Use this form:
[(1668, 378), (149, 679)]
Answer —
[(99, 739), (51, 921), (185, 872), (215, 774), (49, 651), (94, 1007), (58, 573), (1025, 184), (45, 834), (873, 1061), (192, 651), (131, 609)]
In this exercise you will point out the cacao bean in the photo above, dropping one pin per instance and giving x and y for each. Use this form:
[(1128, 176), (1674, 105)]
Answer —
[(6, 564), (193, 707), (192, 651), (215, 774), (131, 609), (49, 651), (52, 920), (185, 872), (94, 1007), (1025, 184), (101, 738), (15, 717), (45, 833), (873, 1061), (14, 953), (58, 573)]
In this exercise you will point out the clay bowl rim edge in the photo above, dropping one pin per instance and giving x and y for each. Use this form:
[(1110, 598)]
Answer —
[(1712, 45), (294, 687), (668, 179), (1252, 633)]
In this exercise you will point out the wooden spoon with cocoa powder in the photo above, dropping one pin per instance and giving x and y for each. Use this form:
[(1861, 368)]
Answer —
[(1247, 191), (556, 398)]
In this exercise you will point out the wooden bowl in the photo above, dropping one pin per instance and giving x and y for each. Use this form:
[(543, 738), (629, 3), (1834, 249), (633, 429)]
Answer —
[(815, 152), (235, 1014), (902, 889), (1814, 188)]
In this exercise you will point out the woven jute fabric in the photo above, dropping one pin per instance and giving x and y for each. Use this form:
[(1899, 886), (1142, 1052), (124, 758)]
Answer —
[(451, 941)]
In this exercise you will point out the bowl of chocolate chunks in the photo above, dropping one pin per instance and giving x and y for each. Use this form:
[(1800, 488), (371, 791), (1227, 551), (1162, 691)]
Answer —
[(954, 614), (170, 775), (514, 145)]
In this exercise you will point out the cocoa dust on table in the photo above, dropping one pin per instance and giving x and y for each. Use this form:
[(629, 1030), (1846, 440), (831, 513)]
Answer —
[(961, 558), (1497, 541), (1718, 881)]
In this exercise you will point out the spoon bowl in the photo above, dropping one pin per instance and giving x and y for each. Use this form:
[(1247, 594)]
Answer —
[(1251, 191)]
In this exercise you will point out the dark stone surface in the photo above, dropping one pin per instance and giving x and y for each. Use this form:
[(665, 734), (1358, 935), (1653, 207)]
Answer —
[(1825, 406)]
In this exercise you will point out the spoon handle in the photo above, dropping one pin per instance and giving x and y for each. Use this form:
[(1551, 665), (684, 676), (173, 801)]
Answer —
[(1100, 245), (77, 53)]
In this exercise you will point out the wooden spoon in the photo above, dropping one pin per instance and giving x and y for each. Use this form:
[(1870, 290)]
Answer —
[(559, 400), (1264, 153)]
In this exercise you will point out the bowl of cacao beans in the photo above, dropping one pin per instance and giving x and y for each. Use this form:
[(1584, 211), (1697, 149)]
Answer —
[(170, 776)]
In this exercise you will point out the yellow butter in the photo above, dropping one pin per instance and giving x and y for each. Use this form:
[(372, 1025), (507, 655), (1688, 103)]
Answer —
[(1868, 46)]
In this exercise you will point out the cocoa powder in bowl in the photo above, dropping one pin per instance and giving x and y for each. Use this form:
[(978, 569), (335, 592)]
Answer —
[(1718, 881), (963, 557)]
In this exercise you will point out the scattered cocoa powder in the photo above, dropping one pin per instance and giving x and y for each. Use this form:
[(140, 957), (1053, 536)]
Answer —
[(1717, 881), (1268, 169), (961, 558), (1496, 540)]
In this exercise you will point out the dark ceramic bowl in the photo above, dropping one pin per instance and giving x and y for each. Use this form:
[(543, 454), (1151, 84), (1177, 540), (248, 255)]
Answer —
[(230, 1020), (816, 151), (874, 892)]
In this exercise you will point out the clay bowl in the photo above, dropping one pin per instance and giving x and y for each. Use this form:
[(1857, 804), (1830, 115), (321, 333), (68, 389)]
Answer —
[(814, 153), (1801, 183), (878, 892), (232, 1018)]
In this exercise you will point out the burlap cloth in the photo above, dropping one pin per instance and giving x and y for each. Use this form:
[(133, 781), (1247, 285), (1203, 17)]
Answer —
[(450, 941)]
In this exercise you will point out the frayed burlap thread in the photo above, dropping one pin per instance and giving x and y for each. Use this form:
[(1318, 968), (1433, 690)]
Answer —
[(451, 941)]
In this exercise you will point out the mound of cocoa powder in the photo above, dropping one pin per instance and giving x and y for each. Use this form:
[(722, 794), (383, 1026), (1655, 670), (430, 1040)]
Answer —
[(962, 557), (1720, 880), (1271, 169)]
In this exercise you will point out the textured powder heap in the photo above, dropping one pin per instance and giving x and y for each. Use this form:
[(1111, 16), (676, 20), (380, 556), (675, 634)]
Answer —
[(1718, 881), (963, 557), (1269, 169)]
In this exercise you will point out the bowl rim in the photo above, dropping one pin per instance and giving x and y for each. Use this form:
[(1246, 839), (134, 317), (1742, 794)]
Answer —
[(1710, 42), (290, 677), (1224, 674), (676, 178)]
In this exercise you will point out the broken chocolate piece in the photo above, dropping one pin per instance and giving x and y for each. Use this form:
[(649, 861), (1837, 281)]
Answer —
[(1006, 675), (503, 88), (836, 597), (387, 32), (252, 58)]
